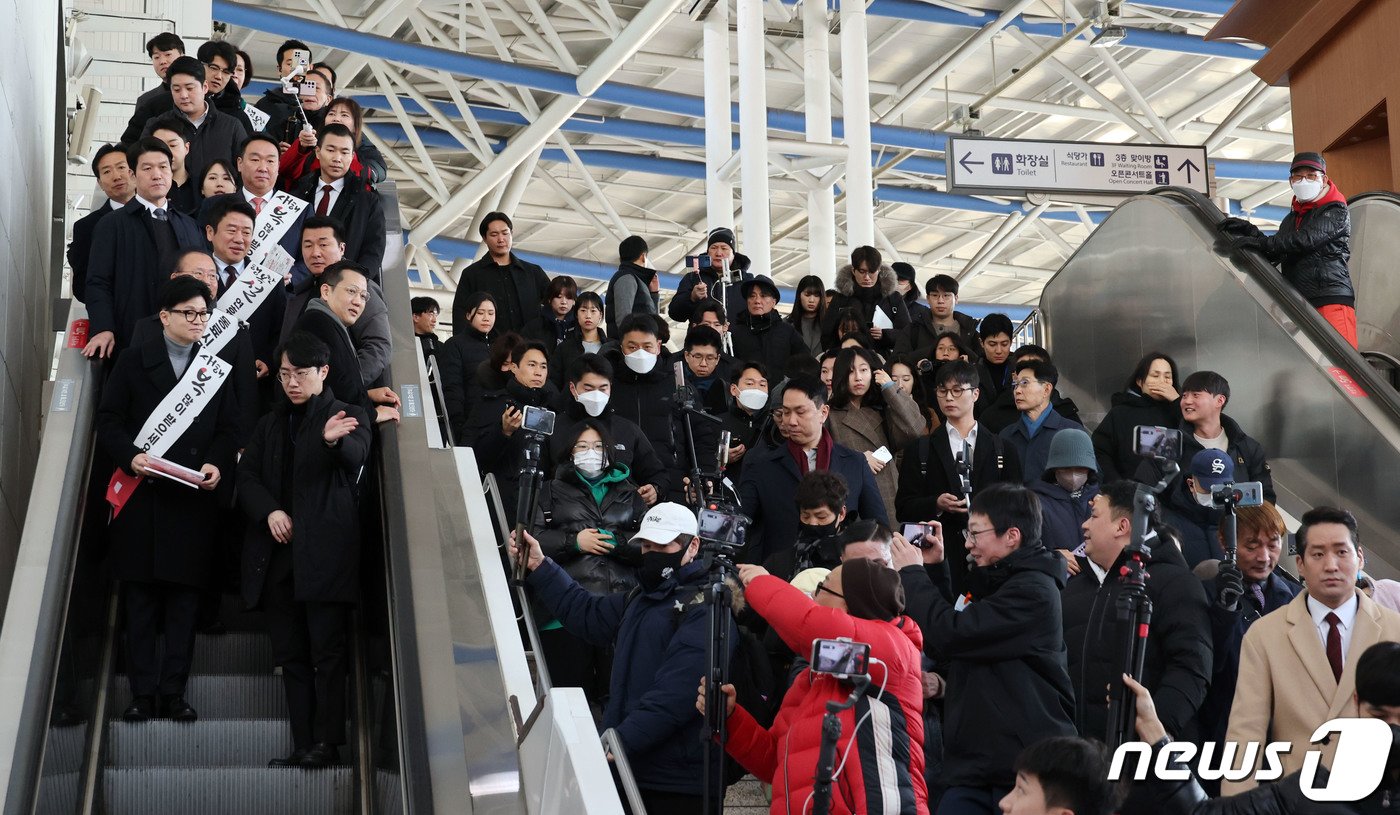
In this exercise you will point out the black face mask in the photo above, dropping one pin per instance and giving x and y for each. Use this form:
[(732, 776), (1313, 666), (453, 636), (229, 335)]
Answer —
[(812, 532), (657, 567)]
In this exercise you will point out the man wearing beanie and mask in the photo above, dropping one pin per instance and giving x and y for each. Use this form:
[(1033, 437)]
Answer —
[(1312, 244), (1007, 681), (1070, 482), (760, 333), (660, 652), (863, 601), (695, 287)]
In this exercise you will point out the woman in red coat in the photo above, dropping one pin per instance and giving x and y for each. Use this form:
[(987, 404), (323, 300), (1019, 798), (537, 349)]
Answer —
[(883, 771)]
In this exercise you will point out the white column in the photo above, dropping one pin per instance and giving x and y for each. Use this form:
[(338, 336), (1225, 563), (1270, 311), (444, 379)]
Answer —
[(719, 133), (855, 93), (753, 137), (821, 205)]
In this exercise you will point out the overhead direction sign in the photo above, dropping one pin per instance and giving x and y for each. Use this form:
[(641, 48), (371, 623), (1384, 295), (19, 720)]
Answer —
[(977, 164)]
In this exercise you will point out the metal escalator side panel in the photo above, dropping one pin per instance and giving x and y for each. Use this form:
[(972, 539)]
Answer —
[(1375, 244), (458, 750), (1148, 279), (36, 610)]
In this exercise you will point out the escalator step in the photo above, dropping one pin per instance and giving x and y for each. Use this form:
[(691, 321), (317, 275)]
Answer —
[(206, 743), (228, 791), (222, 696), (237, 652), (63, 749)]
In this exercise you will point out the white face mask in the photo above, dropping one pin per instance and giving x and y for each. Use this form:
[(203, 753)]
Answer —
[(753, 399), (1307, 190), (593, 402), (1071, 481), (1206, 500), (641, 361), (590, 462)]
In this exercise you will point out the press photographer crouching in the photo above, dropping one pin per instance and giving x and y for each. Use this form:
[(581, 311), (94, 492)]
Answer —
[(661, 638), (861, 602)]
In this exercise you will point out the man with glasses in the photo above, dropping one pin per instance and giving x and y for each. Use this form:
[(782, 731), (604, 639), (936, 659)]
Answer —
[(931, 478), (161, 549), (1008, 683), (1312, 244), (297, 488), (345, 294), (220, 58), (868, 285), (1032, 386), (768, 487), (216, 135), (761, 334), (707, 386)]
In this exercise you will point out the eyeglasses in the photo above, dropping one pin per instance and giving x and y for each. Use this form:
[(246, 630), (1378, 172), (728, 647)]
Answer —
[(956, 393), (821, 587), (190, 315), (356, 293), (1310, 176), (1026, 383), (300, 374), (971, 534), (704, 358), (210, 67), (583, 447)]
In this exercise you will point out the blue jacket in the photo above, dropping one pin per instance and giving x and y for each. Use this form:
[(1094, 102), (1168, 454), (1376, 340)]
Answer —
[(661, 653), (768, 495), (1062, 516), (1034, 452), (1227, 632)]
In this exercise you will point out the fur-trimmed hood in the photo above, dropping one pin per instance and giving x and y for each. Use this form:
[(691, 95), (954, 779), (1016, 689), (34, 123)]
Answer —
[(846, 282)]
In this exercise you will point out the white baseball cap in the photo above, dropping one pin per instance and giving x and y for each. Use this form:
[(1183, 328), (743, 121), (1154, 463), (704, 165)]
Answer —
[(665, 522)]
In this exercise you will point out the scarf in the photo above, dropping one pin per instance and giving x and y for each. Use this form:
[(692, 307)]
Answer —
[(1333, 195), (824, 447)]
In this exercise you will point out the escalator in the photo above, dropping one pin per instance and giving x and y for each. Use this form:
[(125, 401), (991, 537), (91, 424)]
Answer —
[(429, 728), (1375, 244), (1149, 279)]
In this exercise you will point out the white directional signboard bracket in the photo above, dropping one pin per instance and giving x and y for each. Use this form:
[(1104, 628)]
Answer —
[(1018, 166)]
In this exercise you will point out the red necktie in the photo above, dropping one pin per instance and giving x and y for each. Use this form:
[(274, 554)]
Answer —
[(257, 206), (1334, 645), (325, 205)]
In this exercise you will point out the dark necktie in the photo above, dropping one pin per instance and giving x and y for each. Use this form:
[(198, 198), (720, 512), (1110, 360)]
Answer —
[(1257, 589), (325, 206), (1334, 645), (159, 214), (230, 276)]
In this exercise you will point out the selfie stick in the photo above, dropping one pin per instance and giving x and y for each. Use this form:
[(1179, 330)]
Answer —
[(831, 734), (1229, 522), (530, 479)]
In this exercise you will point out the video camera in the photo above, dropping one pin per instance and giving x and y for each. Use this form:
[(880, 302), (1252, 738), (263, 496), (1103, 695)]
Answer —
[(722, 530), (1247, 494)]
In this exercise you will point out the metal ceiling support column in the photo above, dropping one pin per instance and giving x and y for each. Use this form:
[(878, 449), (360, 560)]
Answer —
[(719, 134), (646, 23), (855, 88), (515, 188), (821, 206), (753, 136), (1010, 235), (1242, 111)]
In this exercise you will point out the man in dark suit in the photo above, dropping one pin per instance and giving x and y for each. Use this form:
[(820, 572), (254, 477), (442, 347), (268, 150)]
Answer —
[(161, 549), (768, 490), (344, 295), (230, 234), (131, 249), (114, 177), (163, 49), (216, 135), (297, 488), (518, 286), (930, 481), (335, 193), (257, 177)]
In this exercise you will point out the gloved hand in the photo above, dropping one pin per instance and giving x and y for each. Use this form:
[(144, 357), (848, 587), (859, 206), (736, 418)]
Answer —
[(1229, 587), (1236, 226), (1248, 242)]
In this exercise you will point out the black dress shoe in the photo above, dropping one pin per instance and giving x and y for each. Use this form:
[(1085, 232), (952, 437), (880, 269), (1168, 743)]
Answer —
[(293, 760), (179, 710), (321, 755), (142, 708)]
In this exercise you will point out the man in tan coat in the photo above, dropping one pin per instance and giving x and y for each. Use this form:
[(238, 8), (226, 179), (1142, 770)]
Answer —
[(1298, 663)]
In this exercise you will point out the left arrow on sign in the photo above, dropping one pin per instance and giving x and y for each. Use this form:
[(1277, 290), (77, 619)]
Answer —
[(967, 165)]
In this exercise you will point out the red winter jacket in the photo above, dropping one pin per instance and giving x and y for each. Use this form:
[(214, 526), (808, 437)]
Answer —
[(889, 741)]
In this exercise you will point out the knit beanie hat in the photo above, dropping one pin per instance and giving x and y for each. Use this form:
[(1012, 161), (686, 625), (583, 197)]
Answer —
[(873, 590)]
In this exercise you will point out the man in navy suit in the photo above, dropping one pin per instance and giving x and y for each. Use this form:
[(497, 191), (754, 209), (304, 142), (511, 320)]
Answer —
[(114, 177), (257, 178), (132, 251), (768, 488), (337, 193)]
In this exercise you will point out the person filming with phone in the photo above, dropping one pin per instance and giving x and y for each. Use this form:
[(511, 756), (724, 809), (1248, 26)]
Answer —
[(859, 639)]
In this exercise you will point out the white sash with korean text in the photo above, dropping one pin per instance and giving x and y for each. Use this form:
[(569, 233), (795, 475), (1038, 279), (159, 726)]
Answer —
[(256, 118), (186, 400), (279, 211)]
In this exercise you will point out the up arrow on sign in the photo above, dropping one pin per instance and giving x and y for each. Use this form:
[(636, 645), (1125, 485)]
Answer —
[(1188, 165)]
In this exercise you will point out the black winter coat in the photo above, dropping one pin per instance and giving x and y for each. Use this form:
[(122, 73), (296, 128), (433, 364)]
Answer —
[(518, 290), (459, 361), (889, 300), (1178, 664), (1008, 681), (921, 337), (1002, 412), (279, 107), (548, 330), (80, 248), (1197, 525), (1062, 515), (566, 507), (217, 137), (1250, 462), (163, 533), (360, 212), (242, 384), (1113, 438), (768, 339), (630, 445), (682, 307), (564, 356), (743, 429), (1312, 250), (344, 378), (324, 506), (497, 453), (149, 105), (126, 267), (647, 400)]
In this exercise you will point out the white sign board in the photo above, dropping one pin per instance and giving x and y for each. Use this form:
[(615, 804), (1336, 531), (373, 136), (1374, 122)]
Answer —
[(1000, 165)]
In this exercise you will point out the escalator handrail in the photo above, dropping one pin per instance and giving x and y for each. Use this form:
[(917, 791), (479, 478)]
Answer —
[(1392, 361), (1374, 195), (36, 611), (1307, 318)]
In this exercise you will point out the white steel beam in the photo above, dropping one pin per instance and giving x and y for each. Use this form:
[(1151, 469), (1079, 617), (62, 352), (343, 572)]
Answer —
[(753, 135), (821, 206), (719, 193), (855, 85)]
